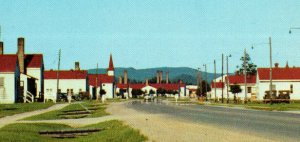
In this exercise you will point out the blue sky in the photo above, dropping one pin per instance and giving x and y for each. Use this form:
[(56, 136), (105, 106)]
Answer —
[(152, 33)]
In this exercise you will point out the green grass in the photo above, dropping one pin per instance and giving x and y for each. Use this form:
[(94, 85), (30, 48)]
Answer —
[(114, 131), (262, 106), (76, 106), (11, 109)]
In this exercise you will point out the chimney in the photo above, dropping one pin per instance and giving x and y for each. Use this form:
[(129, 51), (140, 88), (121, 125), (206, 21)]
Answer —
[(276, 65), (157, 77), (147, 82), (125, 77), (167, 77), (1, 48), (180, 81), (160, 76), (287, 64), (21, 42), (120, 79), (77, 67)]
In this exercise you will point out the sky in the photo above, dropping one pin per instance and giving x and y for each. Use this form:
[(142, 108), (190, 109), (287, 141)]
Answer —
[(153, 33)]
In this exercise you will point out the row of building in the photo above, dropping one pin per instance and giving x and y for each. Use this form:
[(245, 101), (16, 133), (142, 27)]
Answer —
[(285, 80), (23, 78)]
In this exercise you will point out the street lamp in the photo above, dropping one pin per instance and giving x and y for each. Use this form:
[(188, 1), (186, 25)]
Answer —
[(290, 31), (270, 48)]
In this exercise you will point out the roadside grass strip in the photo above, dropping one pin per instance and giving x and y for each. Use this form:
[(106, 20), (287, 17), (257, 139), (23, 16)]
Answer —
[(112, 131), (11, 109), (262, 106), (87, 109)]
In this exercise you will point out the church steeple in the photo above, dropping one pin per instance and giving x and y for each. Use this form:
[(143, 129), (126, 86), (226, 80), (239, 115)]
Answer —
[(111, 64), (111, 68)]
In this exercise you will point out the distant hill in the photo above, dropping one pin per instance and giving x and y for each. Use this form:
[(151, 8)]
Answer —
[(187, 75)]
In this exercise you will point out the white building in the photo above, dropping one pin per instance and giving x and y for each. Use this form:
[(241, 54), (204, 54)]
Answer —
[(285, 79), (9, 79), (216, 90), (180, 89), (191, 91), (239, 79), (69, 80), (103, 81), (31, 68)]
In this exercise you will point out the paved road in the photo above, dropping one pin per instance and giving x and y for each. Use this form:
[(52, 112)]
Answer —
[(279, 125)]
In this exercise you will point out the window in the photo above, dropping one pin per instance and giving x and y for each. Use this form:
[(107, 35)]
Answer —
[(249, 89), (1, 81), (291, 88)]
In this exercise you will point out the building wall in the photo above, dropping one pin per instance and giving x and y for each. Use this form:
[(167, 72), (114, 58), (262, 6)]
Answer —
[(263, 86), (148, 88), (240, 95), (7, 94), (110, 73), (182, 92), (218, 93), (64, 84), (108, 87)]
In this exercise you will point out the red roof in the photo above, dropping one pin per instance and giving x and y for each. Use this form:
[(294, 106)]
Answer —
[(167, 86), (240, 78), (279, 73), (218, 85), (137, 86), (111, 64), (122, 86), (100, 78), (8, 63), (33, 60), (65, 74)]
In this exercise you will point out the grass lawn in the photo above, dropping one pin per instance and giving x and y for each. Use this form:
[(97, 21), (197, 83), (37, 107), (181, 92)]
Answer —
[(11, 109), (114, 131), (75, 106), (262, 106)]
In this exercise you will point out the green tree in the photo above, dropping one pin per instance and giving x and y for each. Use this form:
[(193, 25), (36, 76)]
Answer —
[(235, 89), (250, 67), (204, 91)]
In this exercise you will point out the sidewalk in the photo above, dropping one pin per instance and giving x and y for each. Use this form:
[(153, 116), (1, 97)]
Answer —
[(14, 118)]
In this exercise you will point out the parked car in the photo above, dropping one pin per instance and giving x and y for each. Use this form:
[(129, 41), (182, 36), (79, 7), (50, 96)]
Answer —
[(148, 97), (62, 97)]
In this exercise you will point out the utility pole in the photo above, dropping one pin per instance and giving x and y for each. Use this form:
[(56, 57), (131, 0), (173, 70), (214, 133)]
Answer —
[(200, 80), (97, 96), (57, 73), (215, 77), (222, 78), (271, 89), (245, 76), (227, 81), (205, 81)]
